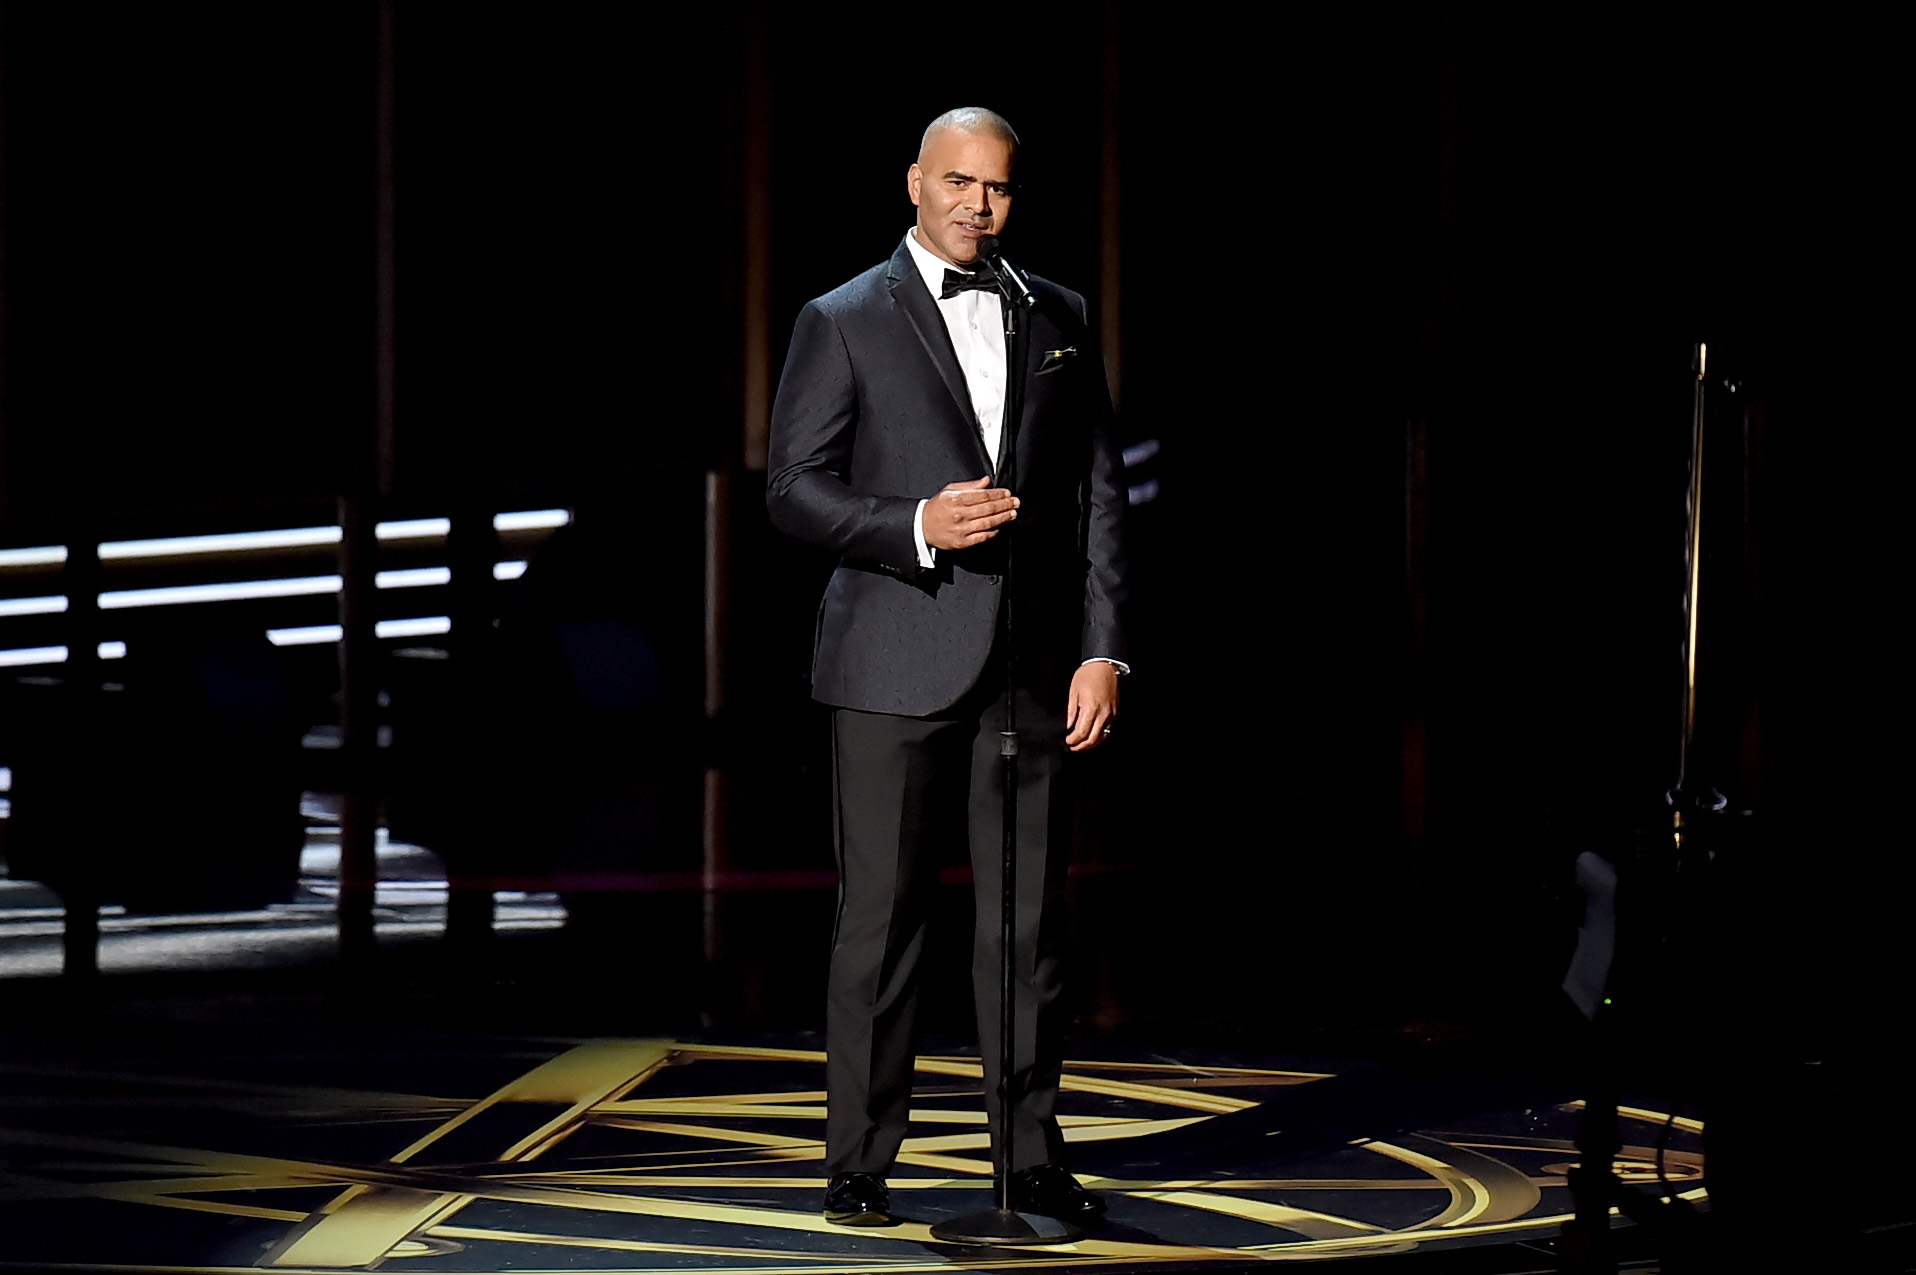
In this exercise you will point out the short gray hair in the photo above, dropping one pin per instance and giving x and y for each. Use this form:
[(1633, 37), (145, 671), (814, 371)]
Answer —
[(971, 119)]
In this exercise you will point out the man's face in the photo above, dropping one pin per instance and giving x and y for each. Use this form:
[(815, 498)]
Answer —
[(962, 186)]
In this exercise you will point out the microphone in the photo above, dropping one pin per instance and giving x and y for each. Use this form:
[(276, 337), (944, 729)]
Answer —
[(1011, 280)]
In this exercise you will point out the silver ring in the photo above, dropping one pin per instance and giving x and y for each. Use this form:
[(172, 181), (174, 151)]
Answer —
[(1107, 730)]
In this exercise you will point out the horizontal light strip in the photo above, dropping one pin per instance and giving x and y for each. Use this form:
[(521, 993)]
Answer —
[(44, 556), (284, 538), (508, 570), (411, 578), (426, 626), (314, 634), (531, 520), (236, 592), (20, 656), (415, 578), (414, 529), (311, 635), (289, 538), (174, 546), (32, 606), (57, 655)]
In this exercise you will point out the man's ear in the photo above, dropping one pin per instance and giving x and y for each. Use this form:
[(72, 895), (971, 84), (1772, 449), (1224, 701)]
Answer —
[(913, 176)]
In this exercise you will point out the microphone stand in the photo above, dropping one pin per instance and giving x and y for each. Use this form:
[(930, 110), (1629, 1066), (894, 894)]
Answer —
[(1002, 1224), (1650, 881)]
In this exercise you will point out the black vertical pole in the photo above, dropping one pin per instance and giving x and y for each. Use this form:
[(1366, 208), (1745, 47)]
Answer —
[(80, 582), (1015, 339), (755, 279), (471, 549), (369, 477), (1594, 1185), (1002, 1224), (1008, 932), (1111, 202), (713, 856), (358, 730), (4, 470)]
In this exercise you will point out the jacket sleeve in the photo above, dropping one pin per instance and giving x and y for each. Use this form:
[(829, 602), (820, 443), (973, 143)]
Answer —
[(1104, 502), (809, 492)]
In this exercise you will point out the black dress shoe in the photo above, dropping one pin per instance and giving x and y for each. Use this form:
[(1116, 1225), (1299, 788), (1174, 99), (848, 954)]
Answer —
[(1047, 1190), (858, 1199)]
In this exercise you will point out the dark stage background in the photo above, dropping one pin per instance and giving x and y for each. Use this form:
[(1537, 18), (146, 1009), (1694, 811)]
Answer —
[(1407, 301)]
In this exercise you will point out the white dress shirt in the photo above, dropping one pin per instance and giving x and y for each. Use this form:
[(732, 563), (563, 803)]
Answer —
[(975, 318)]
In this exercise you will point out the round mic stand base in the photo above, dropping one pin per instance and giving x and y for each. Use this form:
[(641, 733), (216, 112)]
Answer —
[(1005, 1227)]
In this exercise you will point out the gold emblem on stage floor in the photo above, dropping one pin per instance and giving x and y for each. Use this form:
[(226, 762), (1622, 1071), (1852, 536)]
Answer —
[(643, 1155)]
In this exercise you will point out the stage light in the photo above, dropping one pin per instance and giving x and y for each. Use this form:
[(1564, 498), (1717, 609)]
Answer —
[(238, 591), (42, 556), (22, 656), (308, 635), (531, 520), (57, 654), (231, 542), (508, 570), (413, 529), (283, 538), (425, 626), (314, 634), (415, 578), (32, 606)]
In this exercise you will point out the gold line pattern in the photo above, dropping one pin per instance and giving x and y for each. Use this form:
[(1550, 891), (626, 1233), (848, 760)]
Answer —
[(694, 1171)]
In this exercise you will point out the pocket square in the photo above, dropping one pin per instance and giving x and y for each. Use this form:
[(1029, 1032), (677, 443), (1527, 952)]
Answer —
[(1055, 359)]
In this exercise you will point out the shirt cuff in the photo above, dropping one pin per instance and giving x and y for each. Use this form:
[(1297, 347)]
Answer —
[(1119, 665), (927, 556)]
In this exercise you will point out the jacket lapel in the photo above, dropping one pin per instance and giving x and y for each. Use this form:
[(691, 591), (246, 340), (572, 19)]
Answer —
[(921, 312), (1037, 333)]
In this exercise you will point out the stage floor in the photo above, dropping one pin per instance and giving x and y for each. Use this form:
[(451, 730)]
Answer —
[(309, 1146)]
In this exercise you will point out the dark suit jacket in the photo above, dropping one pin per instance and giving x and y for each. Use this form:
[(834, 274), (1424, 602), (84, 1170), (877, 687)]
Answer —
[(872, 416)]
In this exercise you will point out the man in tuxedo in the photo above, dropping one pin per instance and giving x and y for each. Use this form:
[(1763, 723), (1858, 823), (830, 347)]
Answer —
[(892, 446)]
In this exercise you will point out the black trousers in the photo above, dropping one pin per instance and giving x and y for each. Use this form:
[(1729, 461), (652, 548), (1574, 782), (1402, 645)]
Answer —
[(907, 786)]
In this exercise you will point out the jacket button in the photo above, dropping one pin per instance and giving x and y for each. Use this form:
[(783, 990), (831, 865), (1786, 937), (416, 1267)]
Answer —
[(991, 579)]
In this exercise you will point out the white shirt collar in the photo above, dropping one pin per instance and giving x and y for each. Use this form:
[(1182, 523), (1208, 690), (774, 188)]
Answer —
[(931, 267)]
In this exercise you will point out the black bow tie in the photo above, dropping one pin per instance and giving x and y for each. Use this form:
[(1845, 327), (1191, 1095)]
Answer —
[(957, 281)]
